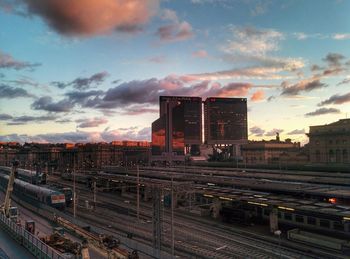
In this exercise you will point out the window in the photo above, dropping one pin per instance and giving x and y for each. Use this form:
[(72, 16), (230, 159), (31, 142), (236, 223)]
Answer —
[(338, 226), (324, 223), (311, 221), (287, 216), (345, 156), (279, 215), (266, 212), (299, 218), (318, 156)]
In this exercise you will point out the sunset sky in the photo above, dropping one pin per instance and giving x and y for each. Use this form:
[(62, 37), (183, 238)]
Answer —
[(93, 70)]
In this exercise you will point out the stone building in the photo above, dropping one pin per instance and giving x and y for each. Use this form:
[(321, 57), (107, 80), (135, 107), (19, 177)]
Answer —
[(273, 152), (330, 143)]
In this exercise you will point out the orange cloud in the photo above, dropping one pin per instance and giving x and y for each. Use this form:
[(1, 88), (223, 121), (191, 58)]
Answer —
[(91, 17), (258, 96), (200, 54)]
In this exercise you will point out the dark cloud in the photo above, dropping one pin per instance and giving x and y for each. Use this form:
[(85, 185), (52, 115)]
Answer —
[(7, 62), (336, 99), (296, 132), (257, 131), (13, 92), (60, 85), (175, 32), (322, 111), (82, 97), (273, 132), (345, 81), (271, 98), (302, 86), (46, 103), (5, 117), (88, 18), (315, 68), (137, 110), (83, 83), (25, 119), (334, 59), (91, 123), (64, 121)]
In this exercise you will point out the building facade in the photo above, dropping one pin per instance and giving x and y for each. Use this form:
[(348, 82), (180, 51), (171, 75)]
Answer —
[(61, 157), (330, 143), (178, 131), (225, 121), (273, 152)]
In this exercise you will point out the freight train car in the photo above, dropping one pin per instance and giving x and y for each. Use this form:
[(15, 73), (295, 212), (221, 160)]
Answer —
[(35, 194)]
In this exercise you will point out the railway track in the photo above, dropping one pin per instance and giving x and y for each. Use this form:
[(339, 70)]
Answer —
[(192, 235)]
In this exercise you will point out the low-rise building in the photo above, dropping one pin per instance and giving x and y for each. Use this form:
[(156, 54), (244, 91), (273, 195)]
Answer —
[(330, 143), (273, 152)]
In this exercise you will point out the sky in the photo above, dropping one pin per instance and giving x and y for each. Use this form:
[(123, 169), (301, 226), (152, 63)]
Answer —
[(93, 71)]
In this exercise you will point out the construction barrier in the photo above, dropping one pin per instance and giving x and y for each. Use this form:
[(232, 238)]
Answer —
[(32, 243)]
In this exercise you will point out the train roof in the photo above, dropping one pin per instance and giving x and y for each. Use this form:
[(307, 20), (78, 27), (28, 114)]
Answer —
[(283, 202), (34, 188)]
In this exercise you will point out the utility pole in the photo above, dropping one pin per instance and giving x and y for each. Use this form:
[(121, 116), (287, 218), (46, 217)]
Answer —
[(138, 193), (74, 193), (172, 218), (95, 195)]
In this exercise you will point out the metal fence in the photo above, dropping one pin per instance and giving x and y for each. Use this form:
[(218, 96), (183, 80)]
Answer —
[(32, 243)]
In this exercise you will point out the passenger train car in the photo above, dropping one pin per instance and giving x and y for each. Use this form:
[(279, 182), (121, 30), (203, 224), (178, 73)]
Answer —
[(35, 194), (39, 179), (26, 175)]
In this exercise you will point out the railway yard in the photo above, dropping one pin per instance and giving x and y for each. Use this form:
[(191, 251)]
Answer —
[(199, 212)]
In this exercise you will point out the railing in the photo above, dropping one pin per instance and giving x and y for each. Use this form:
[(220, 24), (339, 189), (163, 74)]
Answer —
[(33, 244)]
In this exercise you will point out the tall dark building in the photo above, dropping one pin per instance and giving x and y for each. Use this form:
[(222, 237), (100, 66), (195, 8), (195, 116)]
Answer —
[(225, 121), (178, 131)]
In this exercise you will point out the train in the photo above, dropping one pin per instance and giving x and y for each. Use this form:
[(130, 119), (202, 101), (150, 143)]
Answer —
[(318, 222), (40, 179), (29, 176), (35, 194)]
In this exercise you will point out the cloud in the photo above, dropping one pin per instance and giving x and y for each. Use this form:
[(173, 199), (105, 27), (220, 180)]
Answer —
[(260, 8), (296, 132), (90, 17), (257, 96), (273, 132), (302, 86), (141, 95), (5, 117), (253, 41), (334, 59), (322, 111), (83, 83), (257, 131), (8, 62), (345, 81), (81, 136), (200, 54), (336, 99), (13, 92), (158, 59), (341, 36), (175, 32), (81, 97), (138, 109), (300, 35), (91, 123), (46, 103), (25, 119)]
